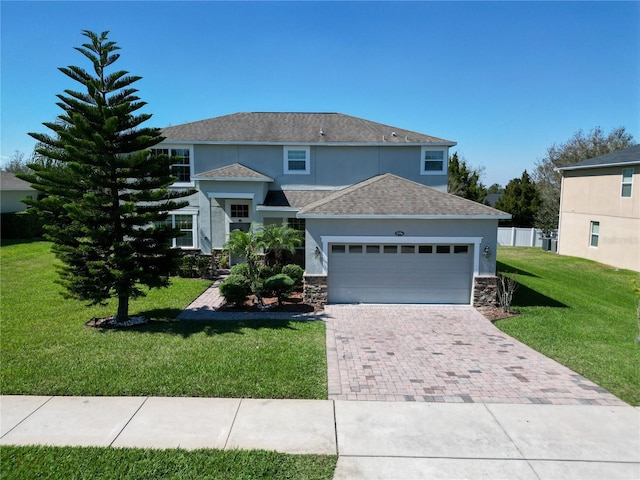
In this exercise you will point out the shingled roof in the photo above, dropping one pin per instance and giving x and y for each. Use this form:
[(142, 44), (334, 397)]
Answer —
[(391, 196), (235, 171), (294, 198), (626, 156), (9, 181), (305, 128)]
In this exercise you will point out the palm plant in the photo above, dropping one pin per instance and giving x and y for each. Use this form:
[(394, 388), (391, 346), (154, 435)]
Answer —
[(278, 239)]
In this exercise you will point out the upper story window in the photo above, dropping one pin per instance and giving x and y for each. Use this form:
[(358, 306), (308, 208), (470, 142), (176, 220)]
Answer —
[(297, 160), (181, 162), (627, 182), (433, 161)]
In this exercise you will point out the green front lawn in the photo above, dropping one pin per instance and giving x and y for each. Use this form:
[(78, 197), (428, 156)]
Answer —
[(128, 463), (578, 312), (45, 349)]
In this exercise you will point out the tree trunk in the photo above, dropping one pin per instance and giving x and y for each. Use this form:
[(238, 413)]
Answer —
[(123, 309)]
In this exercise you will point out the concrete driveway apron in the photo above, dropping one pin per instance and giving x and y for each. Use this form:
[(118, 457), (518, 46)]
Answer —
[(426, 353)]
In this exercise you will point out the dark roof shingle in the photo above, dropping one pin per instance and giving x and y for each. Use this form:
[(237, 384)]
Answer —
[(629, 155), (305, 128), (390, 195)]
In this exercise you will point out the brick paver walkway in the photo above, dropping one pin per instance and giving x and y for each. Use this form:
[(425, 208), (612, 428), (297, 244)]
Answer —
[(442, 354)]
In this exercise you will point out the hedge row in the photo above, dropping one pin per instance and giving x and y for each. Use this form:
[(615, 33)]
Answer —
[(23, 225)]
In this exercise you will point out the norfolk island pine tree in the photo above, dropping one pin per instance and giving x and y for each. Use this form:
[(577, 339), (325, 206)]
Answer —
[(105, 196)]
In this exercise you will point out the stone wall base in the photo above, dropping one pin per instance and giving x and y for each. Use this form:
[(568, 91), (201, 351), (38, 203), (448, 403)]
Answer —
[(485, 291), (315, 289)]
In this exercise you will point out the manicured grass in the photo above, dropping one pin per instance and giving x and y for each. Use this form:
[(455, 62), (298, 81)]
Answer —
[(45, 348), (130, 464), (578, 312)]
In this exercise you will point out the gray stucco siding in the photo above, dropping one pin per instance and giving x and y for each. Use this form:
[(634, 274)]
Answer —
[(486, 230), (329, 165)]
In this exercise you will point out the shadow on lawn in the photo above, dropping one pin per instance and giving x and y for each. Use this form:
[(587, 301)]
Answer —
[(527, 297), (504, 268), (186, 328)]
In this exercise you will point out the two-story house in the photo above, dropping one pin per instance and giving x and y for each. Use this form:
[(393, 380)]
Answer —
[(371, 198), (600, 209)]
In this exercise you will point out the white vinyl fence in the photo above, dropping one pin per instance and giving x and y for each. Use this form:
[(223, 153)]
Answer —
[(520, 237)]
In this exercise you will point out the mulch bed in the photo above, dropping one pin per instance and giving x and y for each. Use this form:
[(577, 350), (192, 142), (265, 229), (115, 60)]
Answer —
[(110, 322), (495, 313), (294, 303)]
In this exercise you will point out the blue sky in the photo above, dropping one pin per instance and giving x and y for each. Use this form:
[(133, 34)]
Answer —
[(505, 80)]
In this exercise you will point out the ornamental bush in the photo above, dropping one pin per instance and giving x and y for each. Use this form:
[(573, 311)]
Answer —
[(240, 269), (280, 285), (296, 272), (235, 289)]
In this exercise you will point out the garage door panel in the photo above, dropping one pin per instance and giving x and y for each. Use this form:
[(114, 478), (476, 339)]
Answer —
[(400, 277)]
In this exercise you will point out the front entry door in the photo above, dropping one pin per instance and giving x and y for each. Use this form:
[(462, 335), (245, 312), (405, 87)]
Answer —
[(243, 227)]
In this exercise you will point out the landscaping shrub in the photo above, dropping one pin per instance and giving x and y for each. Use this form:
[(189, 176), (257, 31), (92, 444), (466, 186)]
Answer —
[(241, 269), (296, 272), (280, 285), (194, 266), (235, 289), (506, 286), (267, 271)]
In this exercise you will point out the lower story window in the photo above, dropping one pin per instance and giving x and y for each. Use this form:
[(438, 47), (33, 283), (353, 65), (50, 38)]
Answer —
[(595, 234), (187, 225)]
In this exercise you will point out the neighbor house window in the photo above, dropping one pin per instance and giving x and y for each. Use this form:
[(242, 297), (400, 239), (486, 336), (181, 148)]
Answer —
[(181, 162), (297, 160), (595, 234), (433, 161), (627, 181), (187, 224)]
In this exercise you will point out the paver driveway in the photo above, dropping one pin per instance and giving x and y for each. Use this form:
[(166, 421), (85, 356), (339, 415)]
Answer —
[(427, 353)]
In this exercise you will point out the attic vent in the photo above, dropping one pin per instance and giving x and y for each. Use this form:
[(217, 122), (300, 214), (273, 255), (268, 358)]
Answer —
[(394, 134), (406, 138), (321, 131)]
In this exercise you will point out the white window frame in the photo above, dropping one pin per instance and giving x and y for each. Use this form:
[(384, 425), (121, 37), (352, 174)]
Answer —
[(285, 157), (593, 234), (194, 227), (625, 183), (170, 147), (445, 160), (239, 201)]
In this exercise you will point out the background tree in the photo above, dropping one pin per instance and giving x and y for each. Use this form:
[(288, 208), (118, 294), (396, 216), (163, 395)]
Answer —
[(495, 188), (464, 181), (17, 163), (579, 147), (521, 200), (106, 197)]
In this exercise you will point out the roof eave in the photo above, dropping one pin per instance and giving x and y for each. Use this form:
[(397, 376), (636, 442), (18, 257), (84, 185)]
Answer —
[(405, 217), (234, 179), (598, 165), (322, 144)]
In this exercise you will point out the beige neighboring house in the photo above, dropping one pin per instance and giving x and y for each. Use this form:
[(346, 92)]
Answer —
[(600, 209), (12, 191)]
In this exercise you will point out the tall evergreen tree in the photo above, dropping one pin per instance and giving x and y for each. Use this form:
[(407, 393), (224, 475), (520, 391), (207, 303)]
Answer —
[(464, 181), (521, 200), (106, 197)]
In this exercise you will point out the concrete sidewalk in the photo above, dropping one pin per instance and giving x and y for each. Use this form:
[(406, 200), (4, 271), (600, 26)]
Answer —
[(374, 440)]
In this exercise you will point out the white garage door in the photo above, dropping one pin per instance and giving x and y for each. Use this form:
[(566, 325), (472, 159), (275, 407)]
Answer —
[(388, 273)]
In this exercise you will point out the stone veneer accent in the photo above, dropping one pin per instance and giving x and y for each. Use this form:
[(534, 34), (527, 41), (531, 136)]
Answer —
[(485, 291), (315, 289)]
